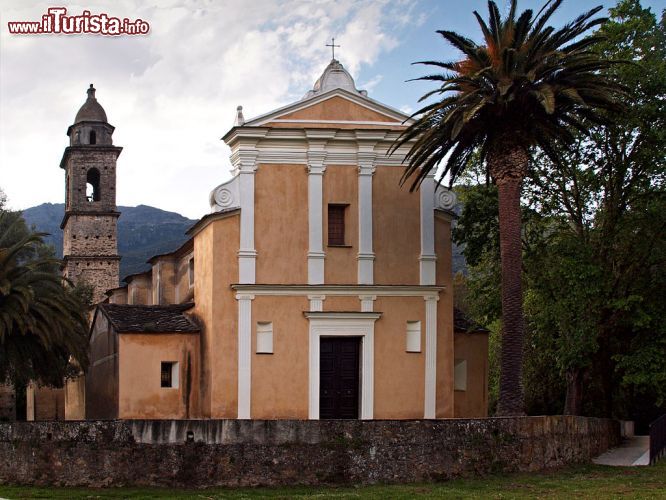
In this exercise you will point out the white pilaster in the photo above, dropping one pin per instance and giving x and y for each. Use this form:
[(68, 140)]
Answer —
[(316, 302), (316, 169), (366, 256), (367, 302), (244, 354), (430, 356), (427, 259), (245, 164)]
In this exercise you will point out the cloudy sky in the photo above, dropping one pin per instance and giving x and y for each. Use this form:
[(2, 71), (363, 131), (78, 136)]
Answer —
[(173, 93)]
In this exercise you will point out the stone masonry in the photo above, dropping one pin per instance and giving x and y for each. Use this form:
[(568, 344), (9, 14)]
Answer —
[(205, 453), (89, 226)]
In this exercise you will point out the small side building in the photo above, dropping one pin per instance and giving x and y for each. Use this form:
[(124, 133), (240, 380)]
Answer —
[(130, 344), (470, 371)]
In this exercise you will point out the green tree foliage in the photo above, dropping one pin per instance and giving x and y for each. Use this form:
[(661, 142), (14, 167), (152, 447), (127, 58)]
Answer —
[(593, 245), (527, 84), (43, 320)]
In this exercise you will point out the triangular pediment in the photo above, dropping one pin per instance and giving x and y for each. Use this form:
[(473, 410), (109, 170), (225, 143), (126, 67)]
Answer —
[(337, 107)]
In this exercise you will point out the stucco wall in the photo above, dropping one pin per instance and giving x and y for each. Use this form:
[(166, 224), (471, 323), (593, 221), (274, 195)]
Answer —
[(118, 296), (399, 375), (75, 398), (280, 380), (281, 223), (473, 348), (340, 186), (288, 452), (396, 229), (183, 291), (216, 267), (139, 393), (101, 381), (139, 290), (443, 277), (45, 403)]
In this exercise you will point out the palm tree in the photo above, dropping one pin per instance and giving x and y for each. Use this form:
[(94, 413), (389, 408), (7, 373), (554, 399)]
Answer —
[(527, 86), (43, 322)]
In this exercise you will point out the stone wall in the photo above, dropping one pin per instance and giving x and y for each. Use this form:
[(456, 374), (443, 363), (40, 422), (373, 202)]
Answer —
[(91, 235), (200, 453), (101, 273)]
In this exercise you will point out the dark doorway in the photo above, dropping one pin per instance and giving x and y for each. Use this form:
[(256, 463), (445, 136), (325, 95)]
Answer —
[(339, 377)]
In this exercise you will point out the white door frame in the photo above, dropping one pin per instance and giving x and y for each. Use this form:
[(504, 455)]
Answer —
[(353, 324)]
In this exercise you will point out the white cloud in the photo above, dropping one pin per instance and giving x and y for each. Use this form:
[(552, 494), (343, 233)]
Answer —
[(171, 94)]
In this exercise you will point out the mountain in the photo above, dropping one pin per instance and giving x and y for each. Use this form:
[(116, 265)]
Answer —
[(143, 231)]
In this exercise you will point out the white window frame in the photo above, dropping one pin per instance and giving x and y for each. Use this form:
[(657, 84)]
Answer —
[(264, 343), (413, 337), (331, 324), (460, 374), (175, 374)]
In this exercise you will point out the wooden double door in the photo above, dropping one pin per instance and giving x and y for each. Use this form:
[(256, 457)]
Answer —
[(339, 379)]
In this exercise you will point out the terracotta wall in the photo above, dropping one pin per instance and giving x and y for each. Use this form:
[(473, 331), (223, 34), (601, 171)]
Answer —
[(140, 394), (281, 223), (280, 380), (216, 265), (473, 402), (399, 375), (396, 229), (163, 285), (445, 397), (340, 186), (45, 403), (139, 290), (75, 398), (118, 296), (183, 291), (101, 380)]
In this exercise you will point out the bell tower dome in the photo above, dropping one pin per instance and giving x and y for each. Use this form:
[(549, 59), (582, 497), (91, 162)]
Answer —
[(90, 249)]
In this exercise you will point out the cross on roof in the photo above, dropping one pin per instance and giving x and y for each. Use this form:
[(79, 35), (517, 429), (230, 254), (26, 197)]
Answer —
[(333, 46)]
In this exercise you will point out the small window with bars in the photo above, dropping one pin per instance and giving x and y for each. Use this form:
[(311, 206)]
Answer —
[(336, 224), (169, 374), (190, 272)]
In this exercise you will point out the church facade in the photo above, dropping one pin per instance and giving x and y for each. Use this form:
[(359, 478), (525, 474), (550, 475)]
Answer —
[(316, 288)]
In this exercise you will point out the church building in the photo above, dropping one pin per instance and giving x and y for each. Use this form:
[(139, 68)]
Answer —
[(316, 288)]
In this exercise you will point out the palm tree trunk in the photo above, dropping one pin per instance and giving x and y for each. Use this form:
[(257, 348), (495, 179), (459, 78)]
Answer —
[(508, 166), (511, 384)]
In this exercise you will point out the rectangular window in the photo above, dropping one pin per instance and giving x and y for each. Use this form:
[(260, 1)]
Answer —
[(336, 225), (264, 338), (460, 375), (413, 341), (169, 374), (190, 272)]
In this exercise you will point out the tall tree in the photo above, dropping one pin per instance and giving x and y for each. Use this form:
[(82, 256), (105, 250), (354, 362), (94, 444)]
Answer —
[(593, 247), (526, 85), (608, 193), (43, 320)]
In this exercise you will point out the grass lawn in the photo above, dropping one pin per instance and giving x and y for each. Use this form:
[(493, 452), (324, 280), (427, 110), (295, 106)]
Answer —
[(589, 481)]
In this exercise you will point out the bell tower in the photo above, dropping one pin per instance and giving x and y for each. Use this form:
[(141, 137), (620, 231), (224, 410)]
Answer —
[(90, 249)]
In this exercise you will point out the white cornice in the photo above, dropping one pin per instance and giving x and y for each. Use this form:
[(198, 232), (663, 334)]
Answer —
[(341, 315), (305, 290)]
